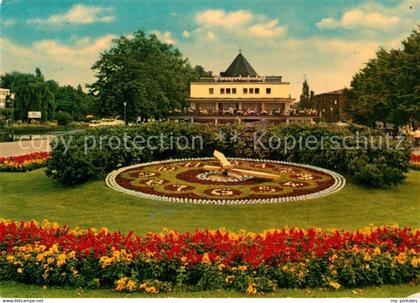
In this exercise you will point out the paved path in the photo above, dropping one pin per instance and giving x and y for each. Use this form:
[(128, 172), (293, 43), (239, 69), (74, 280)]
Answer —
[(24, 147)]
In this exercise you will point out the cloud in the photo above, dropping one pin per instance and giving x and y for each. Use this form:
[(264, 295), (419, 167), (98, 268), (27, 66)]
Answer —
[(78, 14), (61, 62), (236, 22), (8, 22), (218, 17), (186, 34), (165, 37), (357, 18), (268, 29), (211, 36)]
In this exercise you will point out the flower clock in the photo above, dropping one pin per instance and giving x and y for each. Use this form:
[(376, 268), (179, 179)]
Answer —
[(222, 181)]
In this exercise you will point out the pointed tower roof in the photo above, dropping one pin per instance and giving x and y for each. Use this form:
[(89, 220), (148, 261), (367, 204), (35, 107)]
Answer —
[(239, 67)]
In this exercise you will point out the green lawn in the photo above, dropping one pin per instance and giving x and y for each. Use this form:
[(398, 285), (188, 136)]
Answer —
[(13, 289), (32, 195)]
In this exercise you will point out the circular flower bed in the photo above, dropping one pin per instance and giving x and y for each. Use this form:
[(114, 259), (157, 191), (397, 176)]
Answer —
[(185, 180), (254, 263)]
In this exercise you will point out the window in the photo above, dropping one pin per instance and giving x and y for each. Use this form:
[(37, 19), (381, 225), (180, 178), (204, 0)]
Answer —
[(251, 90), (323, 110), (245, 90), (233, 90), (335, 101), (257, 90), (227, 90), (268, 91), (222, 91), (331, 109), (211, 91)]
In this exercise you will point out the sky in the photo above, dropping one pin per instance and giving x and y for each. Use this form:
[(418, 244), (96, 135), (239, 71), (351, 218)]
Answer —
[(322, 41)]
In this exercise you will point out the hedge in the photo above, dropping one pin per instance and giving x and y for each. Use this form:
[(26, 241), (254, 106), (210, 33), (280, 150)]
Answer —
[(75, 159)]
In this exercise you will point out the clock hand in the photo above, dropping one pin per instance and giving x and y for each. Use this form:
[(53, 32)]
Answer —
[(243, 172), (223, 161)]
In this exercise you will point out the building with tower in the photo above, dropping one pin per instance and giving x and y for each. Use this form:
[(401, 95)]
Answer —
[(240, 94)]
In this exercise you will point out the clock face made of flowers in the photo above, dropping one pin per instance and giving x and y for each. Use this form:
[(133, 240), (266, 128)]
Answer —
[(204, 181)]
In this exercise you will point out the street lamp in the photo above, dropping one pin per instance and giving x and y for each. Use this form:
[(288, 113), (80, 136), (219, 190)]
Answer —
[(125, 113), (12, 97)]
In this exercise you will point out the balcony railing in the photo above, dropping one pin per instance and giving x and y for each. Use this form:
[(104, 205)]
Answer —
[(237, 112)]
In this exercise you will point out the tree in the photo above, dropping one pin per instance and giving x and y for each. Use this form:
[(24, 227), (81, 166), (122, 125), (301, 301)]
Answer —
[(151, 76), (32, 94), (307, 98), (200, 72), (73, 101), (387, 89)]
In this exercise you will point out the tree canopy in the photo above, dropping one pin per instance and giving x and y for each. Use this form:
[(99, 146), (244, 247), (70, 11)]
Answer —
[(387, 89), (33, 93), (151, 76), (307, 98)]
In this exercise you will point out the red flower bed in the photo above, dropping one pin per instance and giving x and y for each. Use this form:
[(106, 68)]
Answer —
[(24, 162), (415, 159), (244, 261)]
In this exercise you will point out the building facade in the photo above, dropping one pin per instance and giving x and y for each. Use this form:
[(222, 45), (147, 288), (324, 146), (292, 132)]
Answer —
[(4, 93), (330, 106), (240, 94)]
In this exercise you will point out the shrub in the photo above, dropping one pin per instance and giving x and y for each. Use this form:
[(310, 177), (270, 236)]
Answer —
[(63, 118), (369, 165)]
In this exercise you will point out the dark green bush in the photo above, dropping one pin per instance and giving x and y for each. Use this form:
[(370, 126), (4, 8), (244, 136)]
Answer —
[(362, 163), (63, 118)]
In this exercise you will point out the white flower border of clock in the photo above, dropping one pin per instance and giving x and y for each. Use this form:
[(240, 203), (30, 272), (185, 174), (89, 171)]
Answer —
[(339, 183)]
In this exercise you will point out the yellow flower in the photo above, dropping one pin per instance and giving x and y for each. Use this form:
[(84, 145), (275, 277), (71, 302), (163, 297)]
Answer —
[(20, 270), (229, 279), (377, 251), (206, 259), (183, 259), (121, 284), (151, 290), (415, 262), (50, 260), (143, 286), (367, 258), (61, 260), (333, 257), (10, 258), (335, 285), (242, 268), (131, 285), (284, 268), (221, 266), (105, 261), (401, 258), (251, 290), (301, 274), (54, 249)]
